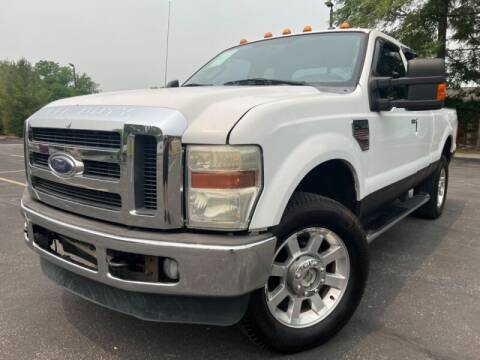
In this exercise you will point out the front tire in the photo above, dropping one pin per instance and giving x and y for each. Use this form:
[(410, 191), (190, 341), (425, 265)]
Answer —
[(318, 276)]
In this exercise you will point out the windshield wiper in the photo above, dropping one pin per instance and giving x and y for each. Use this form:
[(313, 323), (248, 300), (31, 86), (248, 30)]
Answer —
[(194, 84), (262, 81)]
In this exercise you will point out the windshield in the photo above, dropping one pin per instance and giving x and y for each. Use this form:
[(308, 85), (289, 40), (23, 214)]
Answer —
[(324, 59)]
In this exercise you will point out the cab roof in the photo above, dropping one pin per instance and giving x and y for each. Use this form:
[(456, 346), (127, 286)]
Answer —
[(337, 30)]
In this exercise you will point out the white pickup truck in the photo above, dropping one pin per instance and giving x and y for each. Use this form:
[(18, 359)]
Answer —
[(250, 193)]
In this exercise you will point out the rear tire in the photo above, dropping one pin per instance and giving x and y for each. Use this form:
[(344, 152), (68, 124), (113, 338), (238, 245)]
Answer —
[(436, 185), (320, 293)]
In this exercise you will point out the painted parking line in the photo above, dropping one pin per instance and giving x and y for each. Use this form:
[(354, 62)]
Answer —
[(12, 155), (13, 182), (11, 171)]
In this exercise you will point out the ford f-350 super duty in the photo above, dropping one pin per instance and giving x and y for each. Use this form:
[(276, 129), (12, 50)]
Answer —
[(247, 194)]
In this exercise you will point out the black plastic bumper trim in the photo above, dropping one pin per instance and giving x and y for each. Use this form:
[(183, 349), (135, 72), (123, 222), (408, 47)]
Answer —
[(151, 307)]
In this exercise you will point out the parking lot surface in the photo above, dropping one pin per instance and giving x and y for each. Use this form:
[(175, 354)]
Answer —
[(422, 300)]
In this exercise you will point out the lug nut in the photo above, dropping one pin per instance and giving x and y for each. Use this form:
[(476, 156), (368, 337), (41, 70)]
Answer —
[(322, 280), (298, 287), (305, 293), (298, 275)]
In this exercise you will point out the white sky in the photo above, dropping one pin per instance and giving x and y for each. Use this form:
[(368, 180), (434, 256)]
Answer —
[(121, 43)]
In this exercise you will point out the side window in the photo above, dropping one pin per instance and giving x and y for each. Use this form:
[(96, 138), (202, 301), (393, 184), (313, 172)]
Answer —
[(388, 62)]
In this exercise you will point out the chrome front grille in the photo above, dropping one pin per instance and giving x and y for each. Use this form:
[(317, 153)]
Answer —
[(96, 198), (130, 173)]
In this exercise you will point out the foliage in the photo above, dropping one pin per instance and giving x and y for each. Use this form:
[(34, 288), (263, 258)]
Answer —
[(25, 88), (442, 28), (448, 29), (467, 110)]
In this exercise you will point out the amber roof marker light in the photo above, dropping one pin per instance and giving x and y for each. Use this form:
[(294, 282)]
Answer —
[(287, 31), (243, 41), (345, 25), (267, 35), (307, 28)]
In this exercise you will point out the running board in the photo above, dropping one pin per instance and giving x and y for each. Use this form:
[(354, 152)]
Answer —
[(387, 218)]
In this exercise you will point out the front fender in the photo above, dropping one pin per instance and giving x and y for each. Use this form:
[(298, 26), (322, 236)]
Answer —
[(284, 174), (296, 135)]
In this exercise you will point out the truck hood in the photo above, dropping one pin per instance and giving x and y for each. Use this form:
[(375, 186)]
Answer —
[(209, 113)]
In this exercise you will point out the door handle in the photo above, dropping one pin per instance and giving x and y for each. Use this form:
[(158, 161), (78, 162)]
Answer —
[(415, 122)]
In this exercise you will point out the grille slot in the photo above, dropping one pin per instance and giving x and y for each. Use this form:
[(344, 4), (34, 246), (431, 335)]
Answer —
[(90, 138), (102, 169), (39, 159), (146, 166), (85, 196)]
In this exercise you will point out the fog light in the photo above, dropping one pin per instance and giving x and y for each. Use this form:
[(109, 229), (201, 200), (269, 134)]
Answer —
[(170, 268)]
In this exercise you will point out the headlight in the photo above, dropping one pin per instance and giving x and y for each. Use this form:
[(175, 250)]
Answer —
[(223, 184)]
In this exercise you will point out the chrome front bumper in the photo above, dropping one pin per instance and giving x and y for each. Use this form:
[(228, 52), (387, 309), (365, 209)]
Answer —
[(211, 265)]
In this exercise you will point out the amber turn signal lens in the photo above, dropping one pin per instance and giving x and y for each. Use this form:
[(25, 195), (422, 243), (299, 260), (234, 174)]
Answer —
[(286, 31), (224, 180), (441, 92), (307, 28), (243, 41)]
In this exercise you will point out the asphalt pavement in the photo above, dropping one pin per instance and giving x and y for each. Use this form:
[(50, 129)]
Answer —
[(422, 300)]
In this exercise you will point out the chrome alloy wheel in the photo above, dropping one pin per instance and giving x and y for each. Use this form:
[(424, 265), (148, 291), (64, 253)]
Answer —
[(309, 277), (442, 186)]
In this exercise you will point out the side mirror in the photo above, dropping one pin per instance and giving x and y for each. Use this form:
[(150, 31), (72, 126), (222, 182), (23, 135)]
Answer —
[(425, 84), (173, 84)]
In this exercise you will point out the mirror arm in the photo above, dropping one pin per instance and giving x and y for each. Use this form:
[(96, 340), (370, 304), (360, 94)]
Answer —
[(386, 82), (416, 104), (387, 105)]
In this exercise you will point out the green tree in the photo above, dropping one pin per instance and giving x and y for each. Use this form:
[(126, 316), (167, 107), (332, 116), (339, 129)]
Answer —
[(25, 88), (448, 29), (20, 95)]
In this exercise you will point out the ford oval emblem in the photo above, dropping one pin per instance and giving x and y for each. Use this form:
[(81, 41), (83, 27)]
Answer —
[(64, 165)]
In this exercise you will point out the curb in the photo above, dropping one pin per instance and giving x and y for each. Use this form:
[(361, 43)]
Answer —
[(474, 157)]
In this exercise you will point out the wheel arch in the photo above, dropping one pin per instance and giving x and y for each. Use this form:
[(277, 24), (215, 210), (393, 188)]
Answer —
[(447, 148), (342, 186)]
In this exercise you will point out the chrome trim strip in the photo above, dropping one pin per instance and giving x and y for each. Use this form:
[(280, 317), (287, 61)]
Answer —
[(93, 233), (95, 154)]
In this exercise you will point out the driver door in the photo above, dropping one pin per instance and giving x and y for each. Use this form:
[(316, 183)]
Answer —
[(398, 136)]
